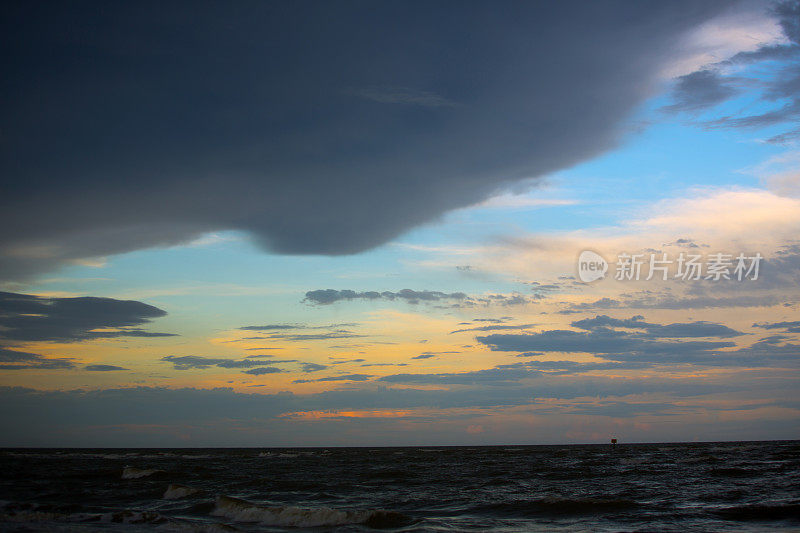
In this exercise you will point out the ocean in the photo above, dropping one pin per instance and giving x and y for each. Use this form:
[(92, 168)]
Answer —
[(735, 486)]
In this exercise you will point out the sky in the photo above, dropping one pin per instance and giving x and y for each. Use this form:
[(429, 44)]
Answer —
[(350, 223)]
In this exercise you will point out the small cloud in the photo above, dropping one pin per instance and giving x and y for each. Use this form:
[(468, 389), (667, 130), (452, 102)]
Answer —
[(345, 377), (17, 360), (453, 299), (313, 367), (263, 370), (329, 296), (789, 327), (494, 327), (271, 327), (188, 362), (428, 355), (103, 368), (701, 90)]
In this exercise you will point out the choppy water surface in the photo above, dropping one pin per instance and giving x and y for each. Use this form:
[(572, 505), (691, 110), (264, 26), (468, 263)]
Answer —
[(745, 486)]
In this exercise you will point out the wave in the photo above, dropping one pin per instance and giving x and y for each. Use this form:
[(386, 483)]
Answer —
[(697, 459), (175, 492), (762, 512), (734, 472), (292, 455), (45, 513), (42, 518), (130, 472), (244, 511), (133, 517), (635, 460), (558, 506), (392, 474)]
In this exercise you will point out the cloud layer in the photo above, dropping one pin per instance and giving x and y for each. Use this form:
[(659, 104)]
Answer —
[(327, 130)]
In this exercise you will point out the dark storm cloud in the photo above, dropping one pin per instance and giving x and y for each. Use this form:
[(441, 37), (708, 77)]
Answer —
[(26, 318), (318, 128)]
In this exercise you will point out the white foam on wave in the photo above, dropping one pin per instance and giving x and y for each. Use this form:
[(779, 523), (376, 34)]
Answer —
[(130, 472), (175, 491), (244, 511)]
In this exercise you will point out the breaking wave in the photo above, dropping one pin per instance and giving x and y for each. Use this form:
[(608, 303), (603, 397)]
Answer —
[(130, 472), (175, 492), (244, 511)]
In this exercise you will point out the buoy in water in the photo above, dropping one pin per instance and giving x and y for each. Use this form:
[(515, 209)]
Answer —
[(613, 441)]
